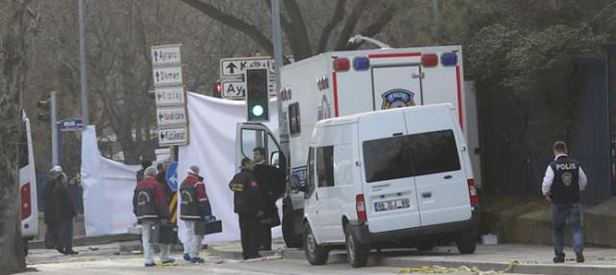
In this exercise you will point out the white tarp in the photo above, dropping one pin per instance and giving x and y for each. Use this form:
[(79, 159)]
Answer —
[(212, 147), (107, 190), (108, 185)]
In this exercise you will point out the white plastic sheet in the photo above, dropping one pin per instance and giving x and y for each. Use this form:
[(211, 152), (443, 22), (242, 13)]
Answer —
[(107, 190), (212, 147)]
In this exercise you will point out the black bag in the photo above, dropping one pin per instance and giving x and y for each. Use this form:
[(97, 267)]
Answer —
[(168, 234), (271, 220), (209, 227)]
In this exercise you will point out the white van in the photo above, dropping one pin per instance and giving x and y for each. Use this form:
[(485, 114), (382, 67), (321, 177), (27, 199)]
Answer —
[(27, 185), (392, 178)]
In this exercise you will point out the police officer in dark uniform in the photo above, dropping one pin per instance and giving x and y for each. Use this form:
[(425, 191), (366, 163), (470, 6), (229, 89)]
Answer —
[(271, 182), (562, 183), (248, 205)]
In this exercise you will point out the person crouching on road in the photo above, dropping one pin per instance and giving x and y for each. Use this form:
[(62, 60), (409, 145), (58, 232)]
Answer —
[(195, 207), (562, 183), (248, 205), (150, 208)]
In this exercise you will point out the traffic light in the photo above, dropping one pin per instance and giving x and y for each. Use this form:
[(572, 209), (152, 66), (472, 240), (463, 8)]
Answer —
[(43, 105), (217, 91), (257, 95)]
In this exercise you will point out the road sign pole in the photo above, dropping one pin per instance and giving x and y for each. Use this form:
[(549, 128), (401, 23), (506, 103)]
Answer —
[(85, 115), (278, 51), (54, 129)]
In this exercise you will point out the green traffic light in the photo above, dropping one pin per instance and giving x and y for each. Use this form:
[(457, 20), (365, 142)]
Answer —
[(257, 110)]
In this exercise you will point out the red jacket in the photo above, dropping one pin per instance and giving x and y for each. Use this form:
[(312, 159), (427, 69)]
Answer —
[(195, 204), (193, 181), (147, 211)]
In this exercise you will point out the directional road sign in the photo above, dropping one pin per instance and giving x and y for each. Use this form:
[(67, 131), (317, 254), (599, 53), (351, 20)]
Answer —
[(167, 76), (172, 136), (165, 55), (173, 95), (172, 176), (172, 115), (236, 67), (233, 89)]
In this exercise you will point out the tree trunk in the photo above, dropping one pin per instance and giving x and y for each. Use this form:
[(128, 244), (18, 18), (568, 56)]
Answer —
[(13, 43)]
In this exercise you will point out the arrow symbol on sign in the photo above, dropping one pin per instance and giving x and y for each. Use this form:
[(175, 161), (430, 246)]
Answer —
[(231, 67), (159, 96), (157, 77), (160, 117), (156, 55), (162, 135)]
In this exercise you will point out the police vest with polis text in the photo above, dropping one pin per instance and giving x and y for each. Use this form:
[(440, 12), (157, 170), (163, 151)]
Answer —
[(565, 187)]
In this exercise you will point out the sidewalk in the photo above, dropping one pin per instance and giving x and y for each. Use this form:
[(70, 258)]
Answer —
[(518, 258)]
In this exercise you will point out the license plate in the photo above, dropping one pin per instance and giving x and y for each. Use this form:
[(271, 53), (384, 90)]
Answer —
[(391, 204)]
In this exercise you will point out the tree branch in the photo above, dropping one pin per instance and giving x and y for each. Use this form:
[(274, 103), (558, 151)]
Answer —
[(298, 35), (248, 29), (377, 26), (336, 18), (349, 26)]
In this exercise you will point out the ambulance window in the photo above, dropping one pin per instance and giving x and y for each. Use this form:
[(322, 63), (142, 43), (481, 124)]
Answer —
[(294, 119), (325, 166)]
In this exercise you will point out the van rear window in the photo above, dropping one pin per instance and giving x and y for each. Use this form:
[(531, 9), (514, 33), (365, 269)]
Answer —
[(410, 155)]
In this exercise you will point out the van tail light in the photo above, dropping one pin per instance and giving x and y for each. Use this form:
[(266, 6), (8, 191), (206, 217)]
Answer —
[(26, 204), (472, 191), (360, 206)]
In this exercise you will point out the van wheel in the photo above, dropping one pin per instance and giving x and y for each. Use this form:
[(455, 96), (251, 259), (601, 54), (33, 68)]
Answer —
[(315, 254), (357, 253), (466, 245)]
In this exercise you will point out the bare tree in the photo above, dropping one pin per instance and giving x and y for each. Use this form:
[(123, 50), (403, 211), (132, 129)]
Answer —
[(296, 28), (15, 22)]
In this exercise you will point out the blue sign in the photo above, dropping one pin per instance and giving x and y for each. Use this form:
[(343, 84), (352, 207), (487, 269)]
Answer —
[(71, 124), (172, 176)]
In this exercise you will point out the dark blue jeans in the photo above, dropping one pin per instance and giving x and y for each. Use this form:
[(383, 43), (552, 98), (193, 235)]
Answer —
[(561, 214)]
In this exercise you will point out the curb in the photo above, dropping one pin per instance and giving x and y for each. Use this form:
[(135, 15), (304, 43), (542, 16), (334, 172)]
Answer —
[(84, 241), (379, 260)]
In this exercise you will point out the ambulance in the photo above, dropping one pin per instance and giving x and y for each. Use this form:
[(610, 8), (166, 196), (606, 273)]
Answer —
[(340, 84), (27, 185)]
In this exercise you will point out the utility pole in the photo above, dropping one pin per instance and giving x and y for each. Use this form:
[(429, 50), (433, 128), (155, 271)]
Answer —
[(278, 52), (54, 129), (85, 116)]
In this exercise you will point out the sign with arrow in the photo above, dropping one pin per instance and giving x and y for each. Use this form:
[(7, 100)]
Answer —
[(236, 67), (171, 115), (166, 76), (165, 55), (172, 136), (166, 96)]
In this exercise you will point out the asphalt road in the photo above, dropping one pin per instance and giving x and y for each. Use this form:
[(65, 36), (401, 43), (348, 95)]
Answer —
[(132, 265)]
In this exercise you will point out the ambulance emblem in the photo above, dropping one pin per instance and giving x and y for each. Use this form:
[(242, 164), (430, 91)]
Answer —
[(396, 98)]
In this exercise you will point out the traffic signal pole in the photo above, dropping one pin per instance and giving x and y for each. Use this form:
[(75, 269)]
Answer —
[(54, 129), (278, 52)]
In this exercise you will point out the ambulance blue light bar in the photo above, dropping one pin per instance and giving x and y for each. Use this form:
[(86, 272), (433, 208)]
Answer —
[(361, 63), (449, 59)]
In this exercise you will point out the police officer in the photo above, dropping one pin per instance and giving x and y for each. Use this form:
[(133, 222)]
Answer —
[(272, 185), (248, 205), (150, 208), (195, 207), (562, 183)]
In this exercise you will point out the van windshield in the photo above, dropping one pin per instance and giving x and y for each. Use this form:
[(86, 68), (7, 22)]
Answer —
[(410, 155)]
